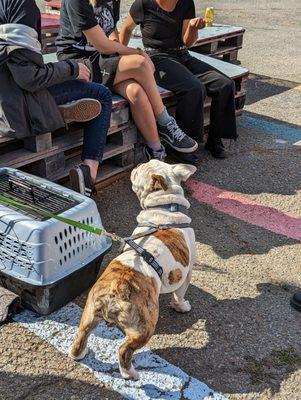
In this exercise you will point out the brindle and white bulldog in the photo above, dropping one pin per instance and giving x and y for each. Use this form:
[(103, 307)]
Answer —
[(127, 293)]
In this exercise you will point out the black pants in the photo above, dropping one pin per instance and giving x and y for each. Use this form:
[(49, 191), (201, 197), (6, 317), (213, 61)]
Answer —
[(191, 80)]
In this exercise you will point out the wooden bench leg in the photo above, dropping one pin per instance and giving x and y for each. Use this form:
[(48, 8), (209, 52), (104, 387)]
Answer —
[(38, 143), (50, 167)]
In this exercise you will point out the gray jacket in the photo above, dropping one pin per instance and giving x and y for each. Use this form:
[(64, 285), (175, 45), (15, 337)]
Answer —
[(26, 106)]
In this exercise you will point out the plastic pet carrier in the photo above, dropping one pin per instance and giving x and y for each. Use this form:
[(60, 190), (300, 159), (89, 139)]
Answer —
[(43, 260)]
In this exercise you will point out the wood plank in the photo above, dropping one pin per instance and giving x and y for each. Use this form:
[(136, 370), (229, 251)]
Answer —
[(231, 70), (50, 21), (6, 139), (218, 31), (38, 143), (53, 4)]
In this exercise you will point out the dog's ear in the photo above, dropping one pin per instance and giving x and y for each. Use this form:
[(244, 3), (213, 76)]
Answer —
[(183, 171), (158, 183)]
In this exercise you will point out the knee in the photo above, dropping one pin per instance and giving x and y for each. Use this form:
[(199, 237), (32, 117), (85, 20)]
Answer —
[(105, 95), (136, 94), (197, 89), (142, 64), (227, 84)]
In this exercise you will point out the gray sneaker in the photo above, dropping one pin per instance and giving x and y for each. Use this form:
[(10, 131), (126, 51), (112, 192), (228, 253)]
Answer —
[(151, 154), (176, 138)]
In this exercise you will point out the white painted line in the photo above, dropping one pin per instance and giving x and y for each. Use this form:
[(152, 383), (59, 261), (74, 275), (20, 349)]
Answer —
[(297, 143), (158, 378)]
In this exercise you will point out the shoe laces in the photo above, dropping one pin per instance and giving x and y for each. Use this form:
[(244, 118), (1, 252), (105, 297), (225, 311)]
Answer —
[(160, 154), (175, 130)]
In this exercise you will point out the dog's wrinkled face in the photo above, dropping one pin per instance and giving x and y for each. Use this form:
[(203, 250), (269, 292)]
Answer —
[(156, 176)]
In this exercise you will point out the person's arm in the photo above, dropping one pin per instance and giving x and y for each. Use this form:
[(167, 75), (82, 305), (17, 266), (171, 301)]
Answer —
[(115, 36), (32, 77), (126, 30), (190, 30), (104, 45)]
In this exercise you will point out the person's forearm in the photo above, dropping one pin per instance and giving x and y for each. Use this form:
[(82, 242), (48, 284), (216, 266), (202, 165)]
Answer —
[(114, 36), (106, 46), (112, 47), (125, 36), (190, 36)]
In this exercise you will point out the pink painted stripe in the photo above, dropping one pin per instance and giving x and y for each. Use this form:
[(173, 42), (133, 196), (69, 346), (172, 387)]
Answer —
[(247, 210)]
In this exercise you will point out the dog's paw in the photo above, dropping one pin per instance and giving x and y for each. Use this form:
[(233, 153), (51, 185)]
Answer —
[(182, 307), (129, 374), (79, 356)]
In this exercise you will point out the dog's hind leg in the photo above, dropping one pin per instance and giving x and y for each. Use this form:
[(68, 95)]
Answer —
[(134, 341), (178, 301), (89, 321)]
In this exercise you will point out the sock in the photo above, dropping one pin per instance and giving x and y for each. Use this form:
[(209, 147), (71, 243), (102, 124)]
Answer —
[(156, 146), (164, 118)]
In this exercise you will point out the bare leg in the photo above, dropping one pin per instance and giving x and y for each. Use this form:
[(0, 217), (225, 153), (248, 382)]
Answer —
[(141, 108), (178, 301), (93, 164), (89, 321), (138, 68)]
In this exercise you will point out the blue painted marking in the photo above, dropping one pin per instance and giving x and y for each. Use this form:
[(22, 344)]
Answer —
[(280, 130)]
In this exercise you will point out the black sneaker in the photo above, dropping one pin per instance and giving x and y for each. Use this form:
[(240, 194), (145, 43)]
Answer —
[(81, 181), (216, 148), (186, 158), (176, 138), (151, 154), (296, 301)]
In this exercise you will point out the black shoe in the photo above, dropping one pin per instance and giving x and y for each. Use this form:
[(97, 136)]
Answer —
[(186, 158), (81, 180), (216, 148), (296, 301), (176, 138), (151, 154)]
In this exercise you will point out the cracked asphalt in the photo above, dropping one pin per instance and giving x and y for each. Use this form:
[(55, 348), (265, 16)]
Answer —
[(241, 337)]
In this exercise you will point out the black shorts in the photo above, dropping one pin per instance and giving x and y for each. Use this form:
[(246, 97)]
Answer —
[(103, 68)]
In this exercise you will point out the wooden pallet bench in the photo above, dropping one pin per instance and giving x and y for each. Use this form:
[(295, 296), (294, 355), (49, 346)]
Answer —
[(50, 30), (53, 6), (222, 41), (51, 155)]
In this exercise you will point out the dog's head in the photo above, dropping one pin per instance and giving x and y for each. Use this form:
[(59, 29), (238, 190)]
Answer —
[(155, 178)]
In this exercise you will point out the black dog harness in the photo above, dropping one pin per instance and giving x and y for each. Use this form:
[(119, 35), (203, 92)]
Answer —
[(146, 255)]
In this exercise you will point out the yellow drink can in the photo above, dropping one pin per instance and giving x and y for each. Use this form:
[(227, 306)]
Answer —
[(209, 16)]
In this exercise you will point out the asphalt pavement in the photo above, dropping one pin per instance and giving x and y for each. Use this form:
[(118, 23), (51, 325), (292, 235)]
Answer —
[(241, 338)]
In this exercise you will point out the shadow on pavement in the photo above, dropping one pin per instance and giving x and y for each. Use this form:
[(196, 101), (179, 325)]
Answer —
[(261, 87), (248, 340), (15, 386), (229, 236)]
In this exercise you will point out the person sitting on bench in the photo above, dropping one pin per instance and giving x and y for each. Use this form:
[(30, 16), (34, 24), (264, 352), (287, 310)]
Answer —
[(88, 32), (168, 28), (31, 91)]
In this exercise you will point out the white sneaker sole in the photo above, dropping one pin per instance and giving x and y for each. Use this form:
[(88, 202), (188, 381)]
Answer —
[(82, 110)]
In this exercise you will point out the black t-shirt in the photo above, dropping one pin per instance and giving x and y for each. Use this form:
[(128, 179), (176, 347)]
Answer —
[(78, 16), (23, 12), (161, 29)]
